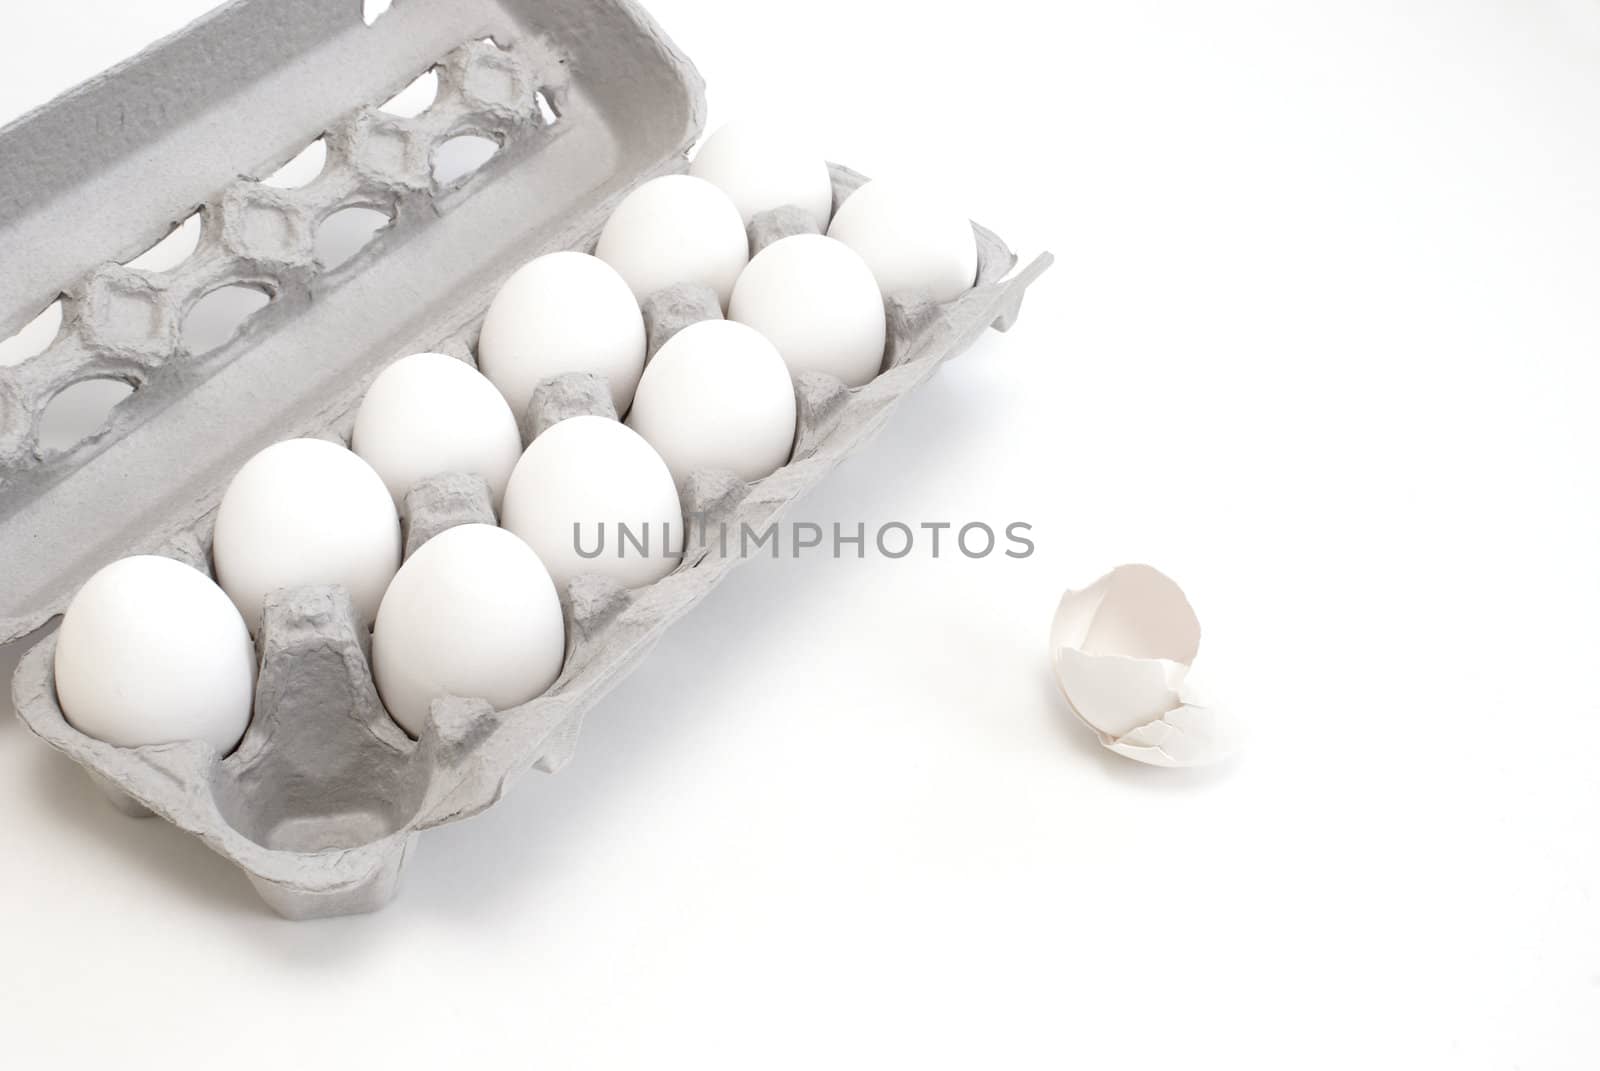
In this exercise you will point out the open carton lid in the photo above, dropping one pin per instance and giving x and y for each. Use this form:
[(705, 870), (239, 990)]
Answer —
[(585, 98)]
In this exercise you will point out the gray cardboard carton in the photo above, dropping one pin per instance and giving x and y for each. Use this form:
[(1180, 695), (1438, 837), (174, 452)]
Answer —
[(322, 802)]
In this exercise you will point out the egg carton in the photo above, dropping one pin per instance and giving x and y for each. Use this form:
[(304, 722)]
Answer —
[(322, 802)]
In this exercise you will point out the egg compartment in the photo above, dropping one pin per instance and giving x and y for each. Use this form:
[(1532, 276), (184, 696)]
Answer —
[(321, 803)]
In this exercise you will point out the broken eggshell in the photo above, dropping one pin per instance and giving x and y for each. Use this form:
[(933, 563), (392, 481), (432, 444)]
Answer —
[(1122, 649)]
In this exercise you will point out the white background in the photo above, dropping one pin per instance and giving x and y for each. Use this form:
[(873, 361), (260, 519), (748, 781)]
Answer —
[(1321, 343)]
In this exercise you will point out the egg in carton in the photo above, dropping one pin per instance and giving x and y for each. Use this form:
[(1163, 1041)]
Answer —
[(322, 801)]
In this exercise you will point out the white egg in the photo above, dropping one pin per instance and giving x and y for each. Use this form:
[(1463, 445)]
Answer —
[(472, 613), (818, 302), (676, 229), (761, 166), (717, 395), (429, 414), (563, 312), (303, 512), (576, 489), (916, 247), (152, 652)]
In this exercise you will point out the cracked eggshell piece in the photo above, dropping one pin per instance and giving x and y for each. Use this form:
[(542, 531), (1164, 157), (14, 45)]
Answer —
[(1122, 649)]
